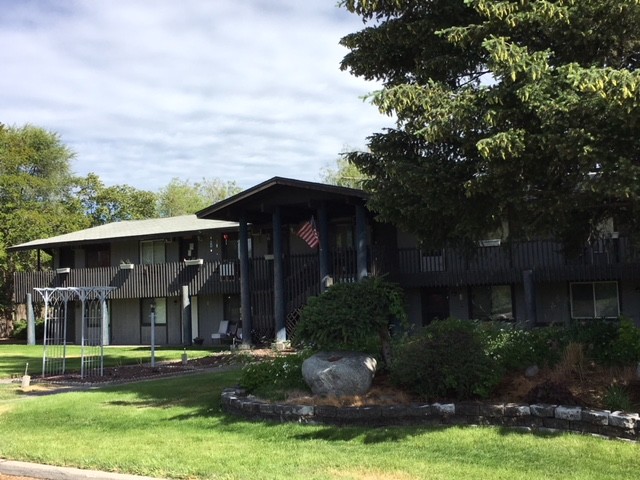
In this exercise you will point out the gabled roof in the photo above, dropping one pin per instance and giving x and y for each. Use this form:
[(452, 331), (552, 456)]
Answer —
[(130, 229), (299, 197)]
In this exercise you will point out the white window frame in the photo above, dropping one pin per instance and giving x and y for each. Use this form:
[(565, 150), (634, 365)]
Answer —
[(593, 296)]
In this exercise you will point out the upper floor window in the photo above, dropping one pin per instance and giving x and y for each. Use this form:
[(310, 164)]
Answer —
[(152, 252), (98, 255), (594, 300)]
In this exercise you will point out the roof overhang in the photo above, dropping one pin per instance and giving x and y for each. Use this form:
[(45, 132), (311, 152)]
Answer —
[(296, 198), (130, 230)]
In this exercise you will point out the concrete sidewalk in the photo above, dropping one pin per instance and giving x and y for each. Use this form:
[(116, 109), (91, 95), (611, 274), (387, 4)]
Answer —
[(34, 470)]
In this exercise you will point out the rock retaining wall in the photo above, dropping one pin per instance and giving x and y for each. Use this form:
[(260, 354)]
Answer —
[(544, 418)]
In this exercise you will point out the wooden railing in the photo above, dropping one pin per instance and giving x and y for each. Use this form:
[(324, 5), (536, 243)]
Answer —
[(504, 263), (613, 258), (161, 280)]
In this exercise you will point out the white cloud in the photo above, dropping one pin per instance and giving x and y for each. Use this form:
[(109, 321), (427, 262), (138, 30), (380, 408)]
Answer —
[(147, 90)]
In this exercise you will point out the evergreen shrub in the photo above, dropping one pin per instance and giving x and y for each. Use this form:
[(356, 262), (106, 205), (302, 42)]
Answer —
[(352, 316), (447, 360)]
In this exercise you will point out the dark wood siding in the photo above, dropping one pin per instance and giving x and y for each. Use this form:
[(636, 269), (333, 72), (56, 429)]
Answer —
[(612, 259), (143, 281)]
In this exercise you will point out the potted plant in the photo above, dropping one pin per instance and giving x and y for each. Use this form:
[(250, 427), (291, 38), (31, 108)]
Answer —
[(126, 265)]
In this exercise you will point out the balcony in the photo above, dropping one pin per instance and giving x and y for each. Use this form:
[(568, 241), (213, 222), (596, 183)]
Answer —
[(160, 280), (611, 258)]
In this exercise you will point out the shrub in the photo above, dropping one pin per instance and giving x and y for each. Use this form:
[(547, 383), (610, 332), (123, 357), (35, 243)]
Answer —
[(617, 398), (272, 379), (20, 329), (348, 315), (625, 348), (448, 359), (596, 336), (608, 342), (515, 348)]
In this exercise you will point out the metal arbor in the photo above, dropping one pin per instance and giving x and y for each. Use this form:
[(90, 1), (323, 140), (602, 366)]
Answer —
[(94, 332)]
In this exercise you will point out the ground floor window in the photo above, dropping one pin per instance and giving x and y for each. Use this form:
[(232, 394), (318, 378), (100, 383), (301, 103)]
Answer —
[(594, 300), (159, 306), (492, 302)]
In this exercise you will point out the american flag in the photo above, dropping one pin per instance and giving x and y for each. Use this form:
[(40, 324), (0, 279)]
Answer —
[(309, 233)]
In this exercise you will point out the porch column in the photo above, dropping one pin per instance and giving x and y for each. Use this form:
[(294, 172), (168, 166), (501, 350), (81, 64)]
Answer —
[(529, 299), (31, 322), (323, 233), (245, 289), (104, 323), (187, 334), (278, 278), (361, 242)]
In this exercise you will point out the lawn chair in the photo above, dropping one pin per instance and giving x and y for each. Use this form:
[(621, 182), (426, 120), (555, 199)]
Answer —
[(222, 334), (236, 334)]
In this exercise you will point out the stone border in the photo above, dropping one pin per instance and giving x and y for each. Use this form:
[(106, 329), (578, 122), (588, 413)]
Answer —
[(542, 418)]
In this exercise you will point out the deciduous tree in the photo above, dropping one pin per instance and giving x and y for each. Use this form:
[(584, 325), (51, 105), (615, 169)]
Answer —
[(524, 111), (344, 174), (104, 204), (36, 196), (182, 197)]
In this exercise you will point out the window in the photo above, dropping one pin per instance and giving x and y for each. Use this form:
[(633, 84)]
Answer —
[(160, 305), (492, 302), (152, 252), (98, 256), (594, 300)]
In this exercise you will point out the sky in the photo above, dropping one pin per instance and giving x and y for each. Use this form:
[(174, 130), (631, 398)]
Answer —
[(144, 91)]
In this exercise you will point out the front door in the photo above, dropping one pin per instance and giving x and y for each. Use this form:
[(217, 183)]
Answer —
[(435, 304)]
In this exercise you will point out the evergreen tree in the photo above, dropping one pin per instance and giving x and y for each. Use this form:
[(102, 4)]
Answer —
[(524, 112)]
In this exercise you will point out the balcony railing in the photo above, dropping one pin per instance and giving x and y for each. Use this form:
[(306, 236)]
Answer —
[(504, 263), (160, 280), (613, 258)]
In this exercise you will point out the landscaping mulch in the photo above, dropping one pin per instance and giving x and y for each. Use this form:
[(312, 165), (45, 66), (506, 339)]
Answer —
[(144, 371)]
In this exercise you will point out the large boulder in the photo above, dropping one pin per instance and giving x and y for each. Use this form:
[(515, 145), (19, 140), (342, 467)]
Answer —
[(339, 373)]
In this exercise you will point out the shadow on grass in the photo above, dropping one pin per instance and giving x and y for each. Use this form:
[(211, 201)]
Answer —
[(519, 431), (200, 393)]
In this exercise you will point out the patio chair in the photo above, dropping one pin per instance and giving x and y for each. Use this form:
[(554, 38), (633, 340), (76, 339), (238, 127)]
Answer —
[(222, 334)]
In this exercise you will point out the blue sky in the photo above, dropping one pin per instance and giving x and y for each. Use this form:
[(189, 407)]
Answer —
[(147, 90)]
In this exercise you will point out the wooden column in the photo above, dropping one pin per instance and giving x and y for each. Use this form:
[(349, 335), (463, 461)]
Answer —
[(529, 299), (278, 277), (323, 232), (185, 316), (361, 242), (31, 322), (245, 288)]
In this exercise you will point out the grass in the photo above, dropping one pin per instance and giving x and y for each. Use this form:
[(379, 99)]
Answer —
[(14, 358), (174, 428)]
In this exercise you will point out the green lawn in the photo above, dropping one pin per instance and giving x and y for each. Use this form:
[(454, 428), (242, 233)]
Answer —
[(13, 358), (174, 428)]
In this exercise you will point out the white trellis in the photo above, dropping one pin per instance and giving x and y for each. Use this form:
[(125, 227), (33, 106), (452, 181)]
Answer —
[(94, 332)]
